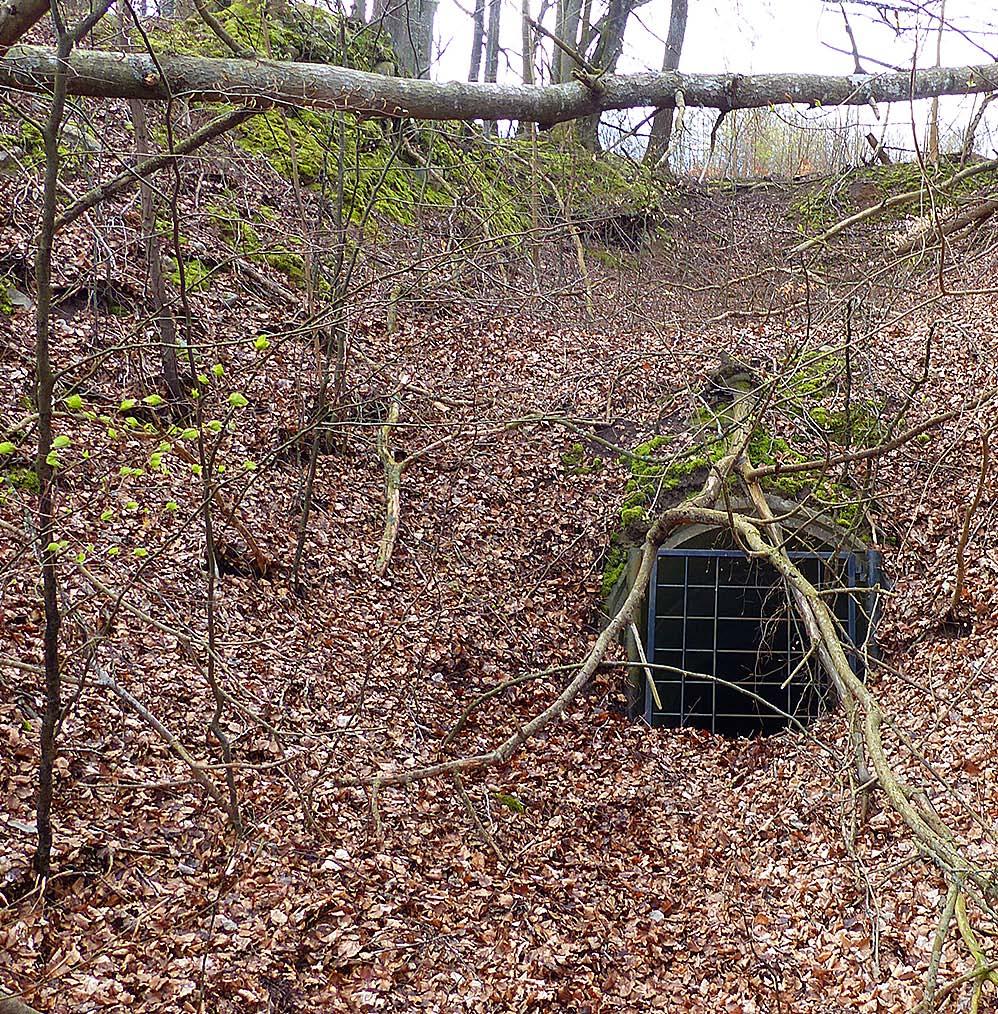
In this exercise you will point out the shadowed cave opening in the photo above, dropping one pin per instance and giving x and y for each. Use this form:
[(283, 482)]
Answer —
[(734, 655)]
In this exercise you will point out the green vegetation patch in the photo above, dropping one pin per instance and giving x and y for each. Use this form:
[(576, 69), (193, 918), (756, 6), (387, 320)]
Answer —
[(197, 275), (614, 566), (24, 479), (576, 461)]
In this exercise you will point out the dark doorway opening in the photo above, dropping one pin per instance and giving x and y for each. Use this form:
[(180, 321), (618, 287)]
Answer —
[(734, 655)]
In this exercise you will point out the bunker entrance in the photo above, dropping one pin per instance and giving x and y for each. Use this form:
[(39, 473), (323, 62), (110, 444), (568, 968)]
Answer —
[(729, 652)]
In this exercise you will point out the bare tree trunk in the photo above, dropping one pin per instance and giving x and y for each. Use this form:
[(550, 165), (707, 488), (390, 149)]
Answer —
[(557, 56), (492, 52), (17, 18), (477, 40), (967, 148), (660, 137), (527, 43), (611, 30), (570, 34), (165, 323), (934, 113), (410, 25), (46, 463), (492, 42)]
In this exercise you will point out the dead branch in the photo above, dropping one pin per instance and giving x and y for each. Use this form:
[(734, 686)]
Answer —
[(968, 515), (891, 202), (737, 438), (260, 559), (225, 80), (966, 219), (177, 748), (867, 453)]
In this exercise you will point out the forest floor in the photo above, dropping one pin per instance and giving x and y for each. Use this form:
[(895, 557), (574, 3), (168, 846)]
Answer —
[(634, 869)]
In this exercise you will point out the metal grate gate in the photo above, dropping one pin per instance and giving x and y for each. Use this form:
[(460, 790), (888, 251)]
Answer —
[(716, 613)]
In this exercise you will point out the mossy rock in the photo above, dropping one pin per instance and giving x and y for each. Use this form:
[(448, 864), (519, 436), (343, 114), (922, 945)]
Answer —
[(291, 31)]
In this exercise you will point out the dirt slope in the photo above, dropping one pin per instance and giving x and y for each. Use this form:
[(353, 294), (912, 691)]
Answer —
[(634, 870)]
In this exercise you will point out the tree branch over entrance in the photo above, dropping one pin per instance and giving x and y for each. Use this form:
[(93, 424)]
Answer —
[(137, 76)]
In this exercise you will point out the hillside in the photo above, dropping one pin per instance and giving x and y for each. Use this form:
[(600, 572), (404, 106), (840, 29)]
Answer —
[(516, 304)]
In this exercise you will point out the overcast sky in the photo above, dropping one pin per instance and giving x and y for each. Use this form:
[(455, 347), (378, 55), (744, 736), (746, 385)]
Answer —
[(749, 36)]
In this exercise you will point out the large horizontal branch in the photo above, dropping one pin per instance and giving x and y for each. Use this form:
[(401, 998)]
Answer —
[(137, 76)]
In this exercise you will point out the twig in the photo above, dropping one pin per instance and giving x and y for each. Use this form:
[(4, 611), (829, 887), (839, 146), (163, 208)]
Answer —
[(640, 648), (393, 478), (968, 514)]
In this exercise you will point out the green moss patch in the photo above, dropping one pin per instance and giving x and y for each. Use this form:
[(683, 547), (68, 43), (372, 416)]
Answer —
[(197, 275), (614, 566), (576, 461), (24, 479)]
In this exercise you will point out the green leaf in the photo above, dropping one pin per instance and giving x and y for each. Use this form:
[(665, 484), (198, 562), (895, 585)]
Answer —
[(218, 369), (189, 434), (165, 446), (113, 550), (153, 400), (74, 403), (250, 466), (107, 515), (132, 505), (53, 547), (196, 469), (61, 441), (140, 552), (214, 425), (113, 434), (6, 447), (203, 378), (128, 403), (52, 458), (236, 400), (155, 459), (261, 343), (172, 505)]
